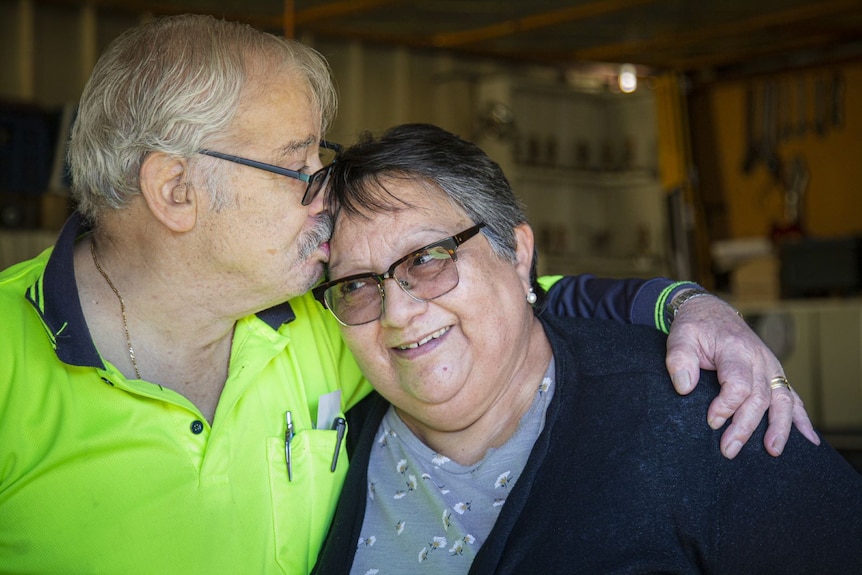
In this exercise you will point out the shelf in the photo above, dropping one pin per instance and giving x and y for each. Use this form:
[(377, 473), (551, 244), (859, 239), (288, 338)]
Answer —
[(586, 167), (604, 178)]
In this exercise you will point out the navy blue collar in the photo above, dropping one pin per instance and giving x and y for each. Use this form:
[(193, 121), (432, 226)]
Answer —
[(55, 297)]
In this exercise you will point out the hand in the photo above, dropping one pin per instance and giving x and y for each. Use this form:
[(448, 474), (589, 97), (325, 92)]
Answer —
[(707, 333)]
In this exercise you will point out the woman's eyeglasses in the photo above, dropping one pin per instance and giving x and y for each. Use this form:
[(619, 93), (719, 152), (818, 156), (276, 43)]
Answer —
[(424, 274)]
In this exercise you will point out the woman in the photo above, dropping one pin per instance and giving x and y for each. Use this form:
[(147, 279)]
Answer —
[(519, 442)]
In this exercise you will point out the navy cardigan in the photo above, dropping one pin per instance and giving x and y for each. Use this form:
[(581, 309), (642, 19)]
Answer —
[(627, 477)]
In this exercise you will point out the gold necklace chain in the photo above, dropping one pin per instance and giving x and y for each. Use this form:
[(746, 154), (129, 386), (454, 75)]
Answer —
[(122, 307)]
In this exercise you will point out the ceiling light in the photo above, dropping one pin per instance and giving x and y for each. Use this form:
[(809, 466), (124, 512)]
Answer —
[(628, 78)]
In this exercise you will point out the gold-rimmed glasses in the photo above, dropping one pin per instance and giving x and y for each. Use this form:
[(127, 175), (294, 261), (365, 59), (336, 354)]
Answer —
[(423, 274)]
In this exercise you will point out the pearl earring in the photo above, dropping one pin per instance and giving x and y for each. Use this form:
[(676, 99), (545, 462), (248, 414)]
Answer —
[(532, 297)]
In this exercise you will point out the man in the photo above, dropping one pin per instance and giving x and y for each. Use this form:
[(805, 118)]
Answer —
[(158, 395)]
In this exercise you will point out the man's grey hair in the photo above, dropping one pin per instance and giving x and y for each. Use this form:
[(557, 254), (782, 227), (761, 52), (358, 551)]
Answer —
[(173, 85)]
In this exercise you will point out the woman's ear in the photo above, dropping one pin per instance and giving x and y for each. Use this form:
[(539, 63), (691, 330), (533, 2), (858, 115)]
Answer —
[(524, 252), (164, 186)]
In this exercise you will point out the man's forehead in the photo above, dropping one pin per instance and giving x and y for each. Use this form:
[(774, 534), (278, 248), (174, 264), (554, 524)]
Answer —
[(280, 115)]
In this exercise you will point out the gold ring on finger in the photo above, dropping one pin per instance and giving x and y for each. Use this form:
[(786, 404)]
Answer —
[(779, 381)]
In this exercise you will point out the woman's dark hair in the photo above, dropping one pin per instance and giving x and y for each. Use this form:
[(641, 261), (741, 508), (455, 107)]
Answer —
[(428, 154)]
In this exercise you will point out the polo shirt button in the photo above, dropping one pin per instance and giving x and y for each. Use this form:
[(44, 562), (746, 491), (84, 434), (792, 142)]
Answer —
[(197, 427)]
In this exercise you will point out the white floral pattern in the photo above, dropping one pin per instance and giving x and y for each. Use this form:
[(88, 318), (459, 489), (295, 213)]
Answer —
[(421, 500)]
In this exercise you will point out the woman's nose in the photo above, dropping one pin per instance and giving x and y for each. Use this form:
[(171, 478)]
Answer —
[(399, 306)]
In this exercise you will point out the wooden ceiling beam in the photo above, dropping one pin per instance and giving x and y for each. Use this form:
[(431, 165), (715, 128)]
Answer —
[(339, 9), (533, 22), (774, 50), (288, 19), (730, 44), (623, 51), (322, 13)]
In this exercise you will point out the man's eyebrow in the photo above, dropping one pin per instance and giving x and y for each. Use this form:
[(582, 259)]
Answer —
[(296, 145)]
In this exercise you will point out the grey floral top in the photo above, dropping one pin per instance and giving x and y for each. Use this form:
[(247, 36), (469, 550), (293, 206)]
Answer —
[(428, 514)]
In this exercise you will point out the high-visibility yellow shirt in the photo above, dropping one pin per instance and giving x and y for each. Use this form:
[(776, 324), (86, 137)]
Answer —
[(102, 474)]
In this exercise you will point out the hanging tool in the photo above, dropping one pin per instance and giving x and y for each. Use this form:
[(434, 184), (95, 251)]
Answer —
[(752, 146), (837, 100), (802, 107)]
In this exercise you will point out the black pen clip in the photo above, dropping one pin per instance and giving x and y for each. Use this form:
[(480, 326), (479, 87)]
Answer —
[(339, 425)]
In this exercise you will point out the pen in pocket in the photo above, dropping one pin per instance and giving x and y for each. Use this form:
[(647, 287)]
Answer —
[(339, 425), (288, 437)]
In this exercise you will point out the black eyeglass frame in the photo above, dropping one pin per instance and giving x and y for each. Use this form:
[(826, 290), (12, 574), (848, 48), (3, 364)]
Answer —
[(318, 178), (450, 244)]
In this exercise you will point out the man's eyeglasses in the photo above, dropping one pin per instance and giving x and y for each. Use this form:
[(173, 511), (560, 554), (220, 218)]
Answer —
[(425, 274), (314, 182)]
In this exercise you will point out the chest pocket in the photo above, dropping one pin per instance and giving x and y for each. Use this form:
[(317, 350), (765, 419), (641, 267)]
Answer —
[(303, 507)]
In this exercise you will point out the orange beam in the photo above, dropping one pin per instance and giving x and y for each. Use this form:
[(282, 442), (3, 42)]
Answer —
[(729, 57), (533, 22), (341, 8), (289, 19), (623, 50)]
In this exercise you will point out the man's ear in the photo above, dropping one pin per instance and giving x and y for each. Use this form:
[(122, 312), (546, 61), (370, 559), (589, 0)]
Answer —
[(164, 187), (524, 252)]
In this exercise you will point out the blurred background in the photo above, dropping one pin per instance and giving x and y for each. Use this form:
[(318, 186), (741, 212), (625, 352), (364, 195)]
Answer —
[(717, 141)]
